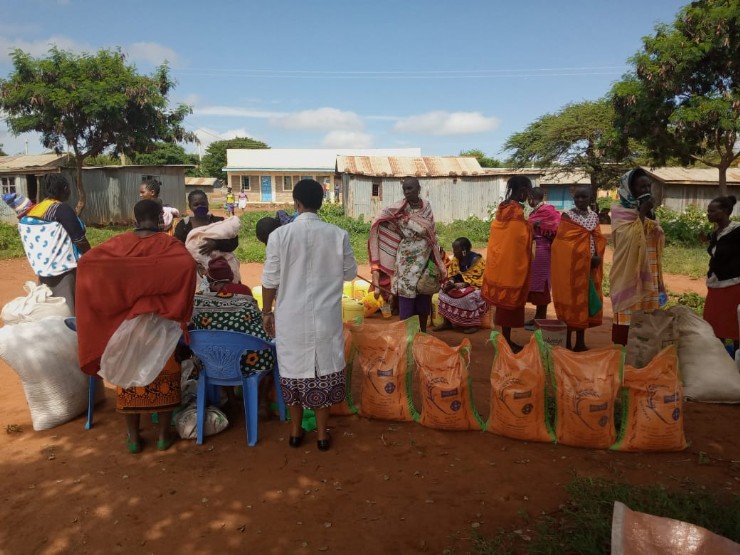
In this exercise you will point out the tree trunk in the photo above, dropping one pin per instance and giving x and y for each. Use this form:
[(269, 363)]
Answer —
[(81, 197), (722, 179)]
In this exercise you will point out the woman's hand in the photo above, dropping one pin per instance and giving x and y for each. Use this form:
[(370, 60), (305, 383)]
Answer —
[(268, 323), (646, 207), (208, 246)]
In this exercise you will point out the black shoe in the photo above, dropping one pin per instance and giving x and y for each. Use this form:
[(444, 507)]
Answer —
[(324, 444), (297, 441)]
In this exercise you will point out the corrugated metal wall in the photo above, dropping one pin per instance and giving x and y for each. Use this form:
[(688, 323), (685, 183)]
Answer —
[(451, 198), (678, 197), (7, 215)]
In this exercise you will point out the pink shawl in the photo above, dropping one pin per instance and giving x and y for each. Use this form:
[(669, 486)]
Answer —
[(548, 217), (385, 236)]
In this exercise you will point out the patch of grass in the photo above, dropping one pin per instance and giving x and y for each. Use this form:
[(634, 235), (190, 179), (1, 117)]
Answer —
[(583, 525), (10, 242), (690, 261), (693, 300), (473, 228), (97, 235)]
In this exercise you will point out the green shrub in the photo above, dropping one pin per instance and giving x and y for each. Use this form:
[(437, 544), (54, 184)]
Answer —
[(684, 228), (473, 228), (10, 242), (604, 202), (693, 300)]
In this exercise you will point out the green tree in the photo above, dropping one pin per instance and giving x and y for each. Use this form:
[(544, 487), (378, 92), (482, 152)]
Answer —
[(483, 160), (2, 152), (161, 154), (90, 104), (579, 137), (683, 96), (215, 157)]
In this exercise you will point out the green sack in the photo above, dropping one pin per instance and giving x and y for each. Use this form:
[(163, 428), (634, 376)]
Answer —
[(309, 418), (594, 301)]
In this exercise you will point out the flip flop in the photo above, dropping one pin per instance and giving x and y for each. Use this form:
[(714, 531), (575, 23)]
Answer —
[(164, 444), (134, 447)]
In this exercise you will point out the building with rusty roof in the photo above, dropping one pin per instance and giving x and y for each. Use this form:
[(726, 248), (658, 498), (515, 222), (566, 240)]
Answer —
[(676, 187)]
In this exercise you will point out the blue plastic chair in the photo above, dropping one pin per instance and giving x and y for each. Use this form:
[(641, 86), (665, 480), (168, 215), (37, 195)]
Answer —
[(71, 323), (220, 353)]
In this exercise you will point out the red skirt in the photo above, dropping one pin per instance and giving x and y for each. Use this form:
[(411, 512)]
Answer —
[(720, 310), (509, 317), (539, 298)]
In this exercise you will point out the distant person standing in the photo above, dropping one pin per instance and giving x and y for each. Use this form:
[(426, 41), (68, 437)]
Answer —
[(230, 203), (242, 200), (150, 189), (337, 190), (309, 261), (545, 220)]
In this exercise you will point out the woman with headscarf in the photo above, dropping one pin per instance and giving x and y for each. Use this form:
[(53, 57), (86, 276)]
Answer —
[(508, 263), (577, 269), (636, 276), (403, 245), (723, 277), (544, 219)]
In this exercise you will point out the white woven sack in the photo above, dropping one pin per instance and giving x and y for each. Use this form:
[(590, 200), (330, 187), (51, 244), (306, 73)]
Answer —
[(215, 421), (37, 304), (708, 374), (44, 355), (138, 350)]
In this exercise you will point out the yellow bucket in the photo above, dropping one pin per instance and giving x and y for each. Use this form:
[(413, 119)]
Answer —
[(361, 289), (437, 318), (257, 294), (352, 309), (348, 289)]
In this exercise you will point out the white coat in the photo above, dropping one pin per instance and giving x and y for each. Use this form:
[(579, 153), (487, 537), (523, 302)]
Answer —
[(309, 260)]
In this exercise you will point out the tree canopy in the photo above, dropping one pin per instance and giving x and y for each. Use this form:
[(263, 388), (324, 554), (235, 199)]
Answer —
[(161, 153), (683, 96), (578, 137), (215, 157), (483, 160), (90, 104), (2, 152)]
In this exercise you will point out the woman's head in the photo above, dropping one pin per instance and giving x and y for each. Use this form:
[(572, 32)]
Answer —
[(582, 197), (639, 183), (147, 213), (308, 194), (264, 227), (720, 209), (411, 189), (149, 189), (198, 202), (461, 247), (518, 188), (536, 196), (57, 187)]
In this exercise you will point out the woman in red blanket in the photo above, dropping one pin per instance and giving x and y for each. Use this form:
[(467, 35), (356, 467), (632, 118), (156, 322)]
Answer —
[(402, 242), (115, 284), (544, 219)]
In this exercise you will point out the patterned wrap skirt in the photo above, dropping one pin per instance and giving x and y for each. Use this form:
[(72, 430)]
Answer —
[(314, 393), (162, 395)]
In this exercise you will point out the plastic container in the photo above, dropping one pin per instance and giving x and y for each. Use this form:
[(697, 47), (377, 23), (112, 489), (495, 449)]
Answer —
[(348, 290), (437, 318), (554, 332), (351, 310), (361, 289), (257, 294)]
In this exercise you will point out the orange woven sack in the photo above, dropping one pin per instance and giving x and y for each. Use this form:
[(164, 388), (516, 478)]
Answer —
[(385, 360), (346, 407), (446, 392), (518, 395), (652, 406), (586, 386)]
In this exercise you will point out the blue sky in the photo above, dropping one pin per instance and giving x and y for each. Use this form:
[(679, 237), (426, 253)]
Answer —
[(442, 76)]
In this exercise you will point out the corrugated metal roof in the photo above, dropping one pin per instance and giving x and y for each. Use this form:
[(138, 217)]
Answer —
[(553, 176), (514, 171), (200, 181), (324, 159), (28, 161), (419, 166), (696, 176)]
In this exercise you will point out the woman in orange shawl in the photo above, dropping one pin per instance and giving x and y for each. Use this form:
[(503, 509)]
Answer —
[(509, 259), (577, 270)]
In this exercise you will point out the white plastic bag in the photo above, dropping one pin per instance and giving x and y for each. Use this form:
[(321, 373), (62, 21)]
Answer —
[(138, 350), (708, 374), (44, 355), (37, 304), (186, 422)]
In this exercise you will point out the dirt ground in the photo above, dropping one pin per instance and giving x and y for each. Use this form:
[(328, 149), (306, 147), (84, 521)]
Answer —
[(383, 488)]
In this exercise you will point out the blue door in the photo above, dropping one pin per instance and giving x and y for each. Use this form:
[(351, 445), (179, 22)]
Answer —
[(266, 188)]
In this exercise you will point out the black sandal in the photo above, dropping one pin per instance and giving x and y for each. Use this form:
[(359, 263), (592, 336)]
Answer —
[(324, 444), (297, 441)]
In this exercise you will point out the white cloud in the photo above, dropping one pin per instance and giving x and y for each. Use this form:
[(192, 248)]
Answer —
[(347, 139), (446, 123), (320, 119), (152, 52), (149, 52), (235, 112)]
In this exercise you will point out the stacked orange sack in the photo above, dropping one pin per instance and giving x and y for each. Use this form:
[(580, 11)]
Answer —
[(385, 359), (446, 393), (346, 407), (518, 392), (586, 387), (652, 406)]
